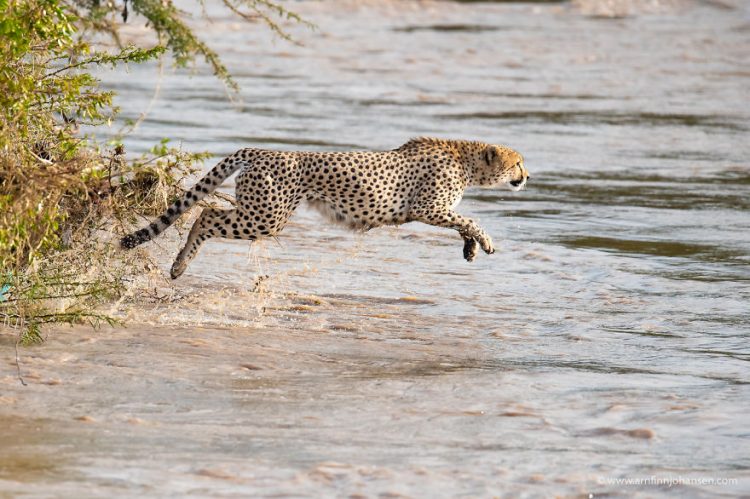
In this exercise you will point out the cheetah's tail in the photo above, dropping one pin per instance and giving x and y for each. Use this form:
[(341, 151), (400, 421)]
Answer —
[(203, 188)]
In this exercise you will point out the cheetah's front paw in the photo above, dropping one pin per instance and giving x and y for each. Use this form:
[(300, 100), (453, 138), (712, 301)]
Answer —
[(471, 248), (486, 243)]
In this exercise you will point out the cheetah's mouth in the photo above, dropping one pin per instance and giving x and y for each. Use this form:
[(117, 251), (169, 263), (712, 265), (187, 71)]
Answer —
[(516, 185)]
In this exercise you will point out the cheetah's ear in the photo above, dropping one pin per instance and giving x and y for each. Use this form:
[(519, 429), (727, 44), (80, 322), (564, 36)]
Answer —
[(490, 154)]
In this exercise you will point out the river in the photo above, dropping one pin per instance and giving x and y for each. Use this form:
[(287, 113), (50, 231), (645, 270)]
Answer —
[(606, 340)]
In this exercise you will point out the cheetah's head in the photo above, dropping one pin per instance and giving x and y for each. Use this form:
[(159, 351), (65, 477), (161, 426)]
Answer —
[(500, 166)]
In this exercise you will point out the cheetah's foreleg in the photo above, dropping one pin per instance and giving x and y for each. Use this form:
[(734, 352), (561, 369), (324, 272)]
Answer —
[(471, 233)]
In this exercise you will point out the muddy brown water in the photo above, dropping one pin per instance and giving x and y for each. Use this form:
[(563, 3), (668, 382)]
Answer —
[(607, 339)]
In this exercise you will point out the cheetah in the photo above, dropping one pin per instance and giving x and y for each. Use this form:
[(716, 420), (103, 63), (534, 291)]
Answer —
[(423, 180)]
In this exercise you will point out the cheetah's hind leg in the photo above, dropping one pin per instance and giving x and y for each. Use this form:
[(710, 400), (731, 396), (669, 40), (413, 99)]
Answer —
[(211, 223)]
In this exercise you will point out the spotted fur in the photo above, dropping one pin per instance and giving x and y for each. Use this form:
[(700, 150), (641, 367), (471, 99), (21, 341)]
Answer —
[(423, 180)]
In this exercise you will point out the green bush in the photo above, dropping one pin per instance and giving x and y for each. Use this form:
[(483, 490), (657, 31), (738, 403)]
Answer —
[(59, 189)]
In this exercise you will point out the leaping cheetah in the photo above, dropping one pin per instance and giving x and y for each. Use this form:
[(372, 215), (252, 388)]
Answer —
[(423, 180)]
